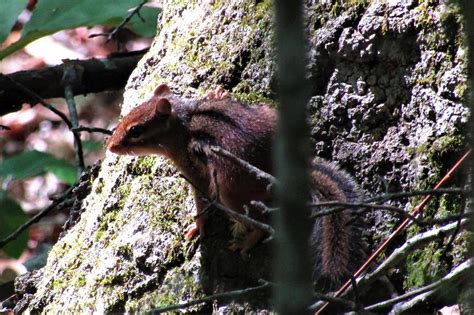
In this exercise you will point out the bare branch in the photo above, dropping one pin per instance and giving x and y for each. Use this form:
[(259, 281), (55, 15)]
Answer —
[(38, 217), (210, 298), (263, 207), (400, 195), (241, 293), (249, 168), (341, 206), (116, 30), (38, 99), (70, 76), (408, 247), (243, 217), (449, 245), (99, 75), (334, 300), (92, 129), (424, 292), (399, 229), (400, 253)]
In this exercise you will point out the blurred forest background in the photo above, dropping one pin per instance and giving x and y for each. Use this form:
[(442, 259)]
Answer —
[(37, 155)]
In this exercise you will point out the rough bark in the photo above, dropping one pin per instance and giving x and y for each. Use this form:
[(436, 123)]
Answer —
[(388, 80)]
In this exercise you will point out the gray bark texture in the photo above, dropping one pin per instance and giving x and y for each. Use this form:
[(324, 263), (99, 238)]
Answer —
[(388, 80)]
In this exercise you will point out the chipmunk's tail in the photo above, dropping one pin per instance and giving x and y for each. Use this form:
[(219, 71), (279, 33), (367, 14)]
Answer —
[(337, 244)]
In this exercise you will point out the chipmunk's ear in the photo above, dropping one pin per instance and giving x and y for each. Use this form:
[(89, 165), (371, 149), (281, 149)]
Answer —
[(163, 107), (162, 90)]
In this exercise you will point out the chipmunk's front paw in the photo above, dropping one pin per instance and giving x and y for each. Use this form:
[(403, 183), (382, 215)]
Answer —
[(191, 231)]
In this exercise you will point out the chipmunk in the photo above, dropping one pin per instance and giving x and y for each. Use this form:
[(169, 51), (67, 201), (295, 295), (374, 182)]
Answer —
[(182, 129)]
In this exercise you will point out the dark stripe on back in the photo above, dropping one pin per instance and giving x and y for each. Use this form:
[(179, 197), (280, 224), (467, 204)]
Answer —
[(217, 115)]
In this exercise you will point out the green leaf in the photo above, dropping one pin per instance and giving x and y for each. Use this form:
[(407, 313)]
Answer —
[(24, 165), (147, 28), (63, 170), (91, 145), (34, 163), (12, 216), (9, 11), (51, 16)]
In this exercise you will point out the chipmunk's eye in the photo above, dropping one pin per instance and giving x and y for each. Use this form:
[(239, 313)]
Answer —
[(135, 131)]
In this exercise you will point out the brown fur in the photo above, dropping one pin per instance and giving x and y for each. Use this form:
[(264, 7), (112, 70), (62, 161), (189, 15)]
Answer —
[(336, 242), (183, 135)]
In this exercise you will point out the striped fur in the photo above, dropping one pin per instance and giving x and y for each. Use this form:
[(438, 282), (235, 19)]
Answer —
[(183, 134)]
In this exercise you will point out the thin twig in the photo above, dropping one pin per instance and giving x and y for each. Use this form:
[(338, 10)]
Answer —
[(252, 170), (399, 195), (214, 203), (210, 298), (452, 276), (408, 247), (190, 182), (334, 300), (92, 129), (204, 211), (355, 288), (400, 253), (119, 27), (447, 219), (240, 293), (201, 193), (209, 205), (39, 99), (69, 78), (245, 218), (36, 218), (4, 309), (342, 206), (263, 207), (449, 245), (105, 74), (398, 230)]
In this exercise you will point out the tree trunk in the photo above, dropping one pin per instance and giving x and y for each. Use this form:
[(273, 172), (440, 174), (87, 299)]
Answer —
[(387, 83)]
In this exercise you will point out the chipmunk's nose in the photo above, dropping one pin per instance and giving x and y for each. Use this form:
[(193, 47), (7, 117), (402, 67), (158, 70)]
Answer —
[(112, 145), (111, 148)]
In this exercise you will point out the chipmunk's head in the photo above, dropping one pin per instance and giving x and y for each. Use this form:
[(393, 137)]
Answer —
[(146, 129)]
